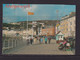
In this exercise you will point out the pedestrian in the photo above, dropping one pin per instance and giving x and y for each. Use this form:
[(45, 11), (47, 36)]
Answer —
[(41, 40), (49, 39), (31, 40), (46, 40), (36, 38), (27, 40)]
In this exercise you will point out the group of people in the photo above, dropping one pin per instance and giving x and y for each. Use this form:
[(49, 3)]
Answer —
[(47, 39), (40, 39), (29, 41)]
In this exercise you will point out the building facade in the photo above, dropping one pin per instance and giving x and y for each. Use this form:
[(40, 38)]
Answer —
[(57, 28), (49, 31), (68, 25)]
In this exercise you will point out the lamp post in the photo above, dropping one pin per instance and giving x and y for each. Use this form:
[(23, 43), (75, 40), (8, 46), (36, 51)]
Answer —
[(57, 20), (27, 22), (57, 15)]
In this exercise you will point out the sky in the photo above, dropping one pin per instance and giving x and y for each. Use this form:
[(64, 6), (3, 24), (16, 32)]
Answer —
[(41, 12)]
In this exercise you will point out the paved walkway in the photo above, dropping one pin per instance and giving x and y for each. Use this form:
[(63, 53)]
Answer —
[(41, 49)]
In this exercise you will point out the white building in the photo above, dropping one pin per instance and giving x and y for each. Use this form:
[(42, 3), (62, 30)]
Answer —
[(72, 26), (68, 25)]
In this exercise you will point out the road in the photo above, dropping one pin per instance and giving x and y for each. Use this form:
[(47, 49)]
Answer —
[(41, 49)]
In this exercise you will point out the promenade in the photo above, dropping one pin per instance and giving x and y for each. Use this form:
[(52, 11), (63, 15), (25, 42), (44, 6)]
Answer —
[(40, 49)]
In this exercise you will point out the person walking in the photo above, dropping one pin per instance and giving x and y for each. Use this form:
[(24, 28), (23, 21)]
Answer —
[(31, 40), (49, 39), (46, 40), (41, 40)]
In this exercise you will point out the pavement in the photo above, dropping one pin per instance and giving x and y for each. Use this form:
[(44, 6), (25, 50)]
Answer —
[(40, 49)]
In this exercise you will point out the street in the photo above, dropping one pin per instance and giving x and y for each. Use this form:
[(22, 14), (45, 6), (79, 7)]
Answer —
[(41, 49)]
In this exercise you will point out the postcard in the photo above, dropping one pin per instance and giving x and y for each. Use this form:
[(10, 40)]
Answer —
[(39, 29)]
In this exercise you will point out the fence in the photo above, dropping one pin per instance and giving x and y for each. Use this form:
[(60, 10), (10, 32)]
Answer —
[(11, 42)]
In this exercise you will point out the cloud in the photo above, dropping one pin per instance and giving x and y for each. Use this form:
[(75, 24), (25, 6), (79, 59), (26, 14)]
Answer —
[(32, 8), (8, 19)]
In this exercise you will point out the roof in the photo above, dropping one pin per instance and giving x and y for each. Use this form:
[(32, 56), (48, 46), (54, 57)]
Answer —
[(59, 33), (70, 15)]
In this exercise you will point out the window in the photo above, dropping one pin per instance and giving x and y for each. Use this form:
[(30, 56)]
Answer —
[(43, 27), (70, 23), (67, 29)]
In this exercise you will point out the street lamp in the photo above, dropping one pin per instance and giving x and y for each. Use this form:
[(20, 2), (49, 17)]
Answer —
[(57, 15)]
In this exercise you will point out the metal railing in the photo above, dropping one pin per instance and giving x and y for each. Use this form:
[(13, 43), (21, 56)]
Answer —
[(11, 42)]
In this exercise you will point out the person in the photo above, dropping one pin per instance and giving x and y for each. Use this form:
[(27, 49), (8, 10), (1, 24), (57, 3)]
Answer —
[(45, 40), (41, 40), (49, 39), (31, 40), (36, 38), (27, 40)]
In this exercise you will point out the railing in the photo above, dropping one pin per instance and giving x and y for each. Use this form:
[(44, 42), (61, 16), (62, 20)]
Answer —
[(11, 42)]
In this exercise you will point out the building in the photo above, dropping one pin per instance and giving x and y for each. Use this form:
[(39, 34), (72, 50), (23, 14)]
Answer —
[(16, 23), (48, 28), (57, 28), (59, 36), (49, 31), (68, 24), (5, 28)]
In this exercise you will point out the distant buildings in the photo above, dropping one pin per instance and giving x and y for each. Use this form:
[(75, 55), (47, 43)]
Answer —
[(50, 31), (16, 23), (49, 28)]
